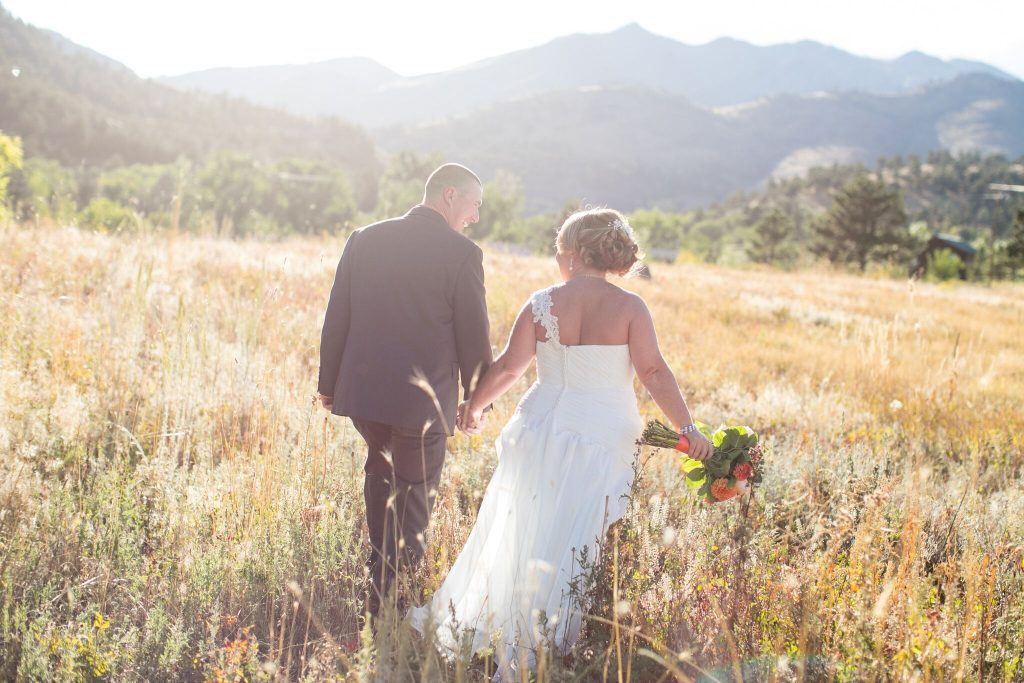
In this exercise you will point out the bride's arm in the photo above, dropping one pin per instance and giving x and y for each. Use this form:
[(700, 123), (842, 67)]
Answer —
[(508, 367), (657, 377)]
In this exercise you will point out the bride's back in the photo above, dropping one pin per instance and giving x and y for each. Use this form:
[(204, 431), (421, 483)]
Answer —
[(590, 311)]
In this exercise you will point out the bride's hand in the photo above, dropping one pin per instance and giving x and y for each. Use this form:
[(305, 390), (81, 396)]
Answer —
[(470, 420), (700, 448), (474, 422)]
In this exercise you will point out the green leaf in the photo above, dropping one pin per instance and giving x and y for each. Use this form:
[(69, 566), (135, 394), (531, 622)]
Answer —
[(695, 478), (704, 429), (748, 436), (689, 464), (718, 469)]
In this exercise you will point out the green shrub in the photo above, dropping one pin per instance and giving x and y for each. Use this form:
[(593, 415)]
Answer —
[(105, 215), (943, 265)]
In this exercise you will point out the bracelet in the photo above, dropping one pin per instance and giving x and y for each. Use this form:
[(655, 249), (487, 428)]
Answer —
[(692, 427)]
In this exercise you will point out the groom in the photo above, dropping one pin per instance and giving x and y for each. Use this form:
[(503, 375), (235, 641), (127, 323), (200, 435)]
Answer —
[(406, 319)]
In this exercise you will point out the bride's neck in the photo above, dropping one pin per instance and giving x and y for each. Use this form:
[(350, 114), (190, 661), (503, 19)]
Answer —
[(592, 274)]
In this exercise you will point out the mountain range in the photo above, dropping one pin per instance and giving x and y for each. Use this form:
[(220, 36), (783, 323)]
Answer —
[(722, 72), (627, 118)]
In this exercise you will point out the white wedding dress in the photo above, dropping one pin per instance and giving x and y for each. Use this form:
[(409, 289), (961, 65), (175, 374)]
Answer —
[(565, 468)]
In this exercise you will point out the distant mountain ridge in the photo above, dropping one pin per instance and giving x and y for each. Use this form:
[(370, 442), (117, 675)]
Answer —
[(720, 73), (318, 89), (634, 147)]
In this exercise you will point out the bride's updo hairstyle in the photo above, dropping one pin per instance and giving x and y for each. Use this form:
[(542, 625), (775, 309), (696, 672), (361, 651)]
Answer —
[(601, 238)]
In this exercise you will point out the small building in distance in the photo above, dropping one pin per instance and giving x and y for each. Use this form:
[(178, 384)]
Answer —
[(661, 254), (655, 254), (943, 241)]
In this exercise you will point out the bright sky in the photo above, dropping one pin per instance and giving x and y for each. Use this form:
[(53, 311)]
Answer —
[(162, 38)]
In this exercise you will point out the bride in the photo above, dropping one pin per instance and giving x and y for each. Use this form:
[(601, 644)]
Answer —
[(566, 457)]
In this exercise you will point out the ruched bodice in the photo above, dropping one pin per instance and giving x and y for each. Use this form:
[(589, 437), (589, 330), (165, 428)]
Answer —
[(586, 390), (585, 367)]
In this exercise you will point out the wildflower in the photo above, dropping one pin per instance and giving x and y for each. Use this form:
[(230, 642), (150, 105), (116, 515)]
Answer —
[(895, 405), (742, 471), (100, 623), (721, 490)]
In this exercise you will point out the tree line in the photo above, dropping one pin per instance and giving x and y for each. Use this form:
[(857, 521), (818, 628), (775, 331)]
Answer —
[(863, 218), (230, 194), (848, 215)]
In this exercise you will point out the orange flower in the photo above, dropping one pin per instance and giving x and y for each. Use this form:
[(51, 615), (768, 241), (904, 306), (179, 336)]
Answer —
[(742, 471), (721, 490)]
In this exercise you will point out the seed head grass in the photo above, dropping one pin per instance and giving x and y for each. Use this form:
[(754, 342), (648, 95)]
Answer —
[(174, 503)]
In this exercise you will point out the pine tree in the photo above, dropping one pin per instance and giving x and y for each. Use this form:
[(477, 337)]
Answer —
[(772, 240), (866, 221), (1015, 247)]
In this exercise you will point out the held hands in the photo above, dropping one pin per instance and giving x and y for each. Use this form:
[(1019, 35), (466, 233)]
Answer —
[(700, 448), (468, 419), (326, 401)]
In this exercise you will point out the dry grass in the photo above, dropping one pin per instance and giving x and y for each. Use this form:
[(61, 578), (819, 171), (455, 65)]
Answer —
[(173, 504)]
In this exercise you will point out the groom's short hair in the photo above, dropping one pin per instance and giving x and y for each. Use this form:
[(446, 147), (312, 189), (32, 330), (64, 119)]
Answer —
[(449, 175)]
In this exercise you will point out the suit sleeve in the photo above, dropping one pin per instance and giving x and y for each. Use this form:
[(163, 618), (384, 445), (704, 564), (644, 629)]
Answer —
[(336, 321), (472, 328)]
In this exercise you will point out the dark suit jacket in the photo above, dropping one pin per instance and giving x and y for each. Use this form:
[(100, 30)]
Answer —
[(408, 295)]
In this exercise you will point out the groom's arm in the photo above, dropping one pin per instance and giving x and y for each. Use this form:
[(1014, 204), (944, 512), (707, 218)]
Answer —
[(472, 328), (336, 322)]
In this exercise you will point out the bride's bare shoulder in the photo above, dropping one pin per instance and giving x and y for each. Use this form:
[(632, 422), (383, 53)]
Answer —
[(631, 299)]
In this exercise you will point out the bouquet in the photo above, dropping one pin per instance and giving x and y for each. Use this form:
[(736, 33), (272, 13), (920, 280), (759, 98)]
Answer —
[(733, 468)]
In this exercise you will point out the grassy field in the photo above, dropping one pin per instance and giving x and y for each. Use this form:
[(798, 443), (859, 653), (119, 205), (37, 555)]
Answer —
[(173, 505)]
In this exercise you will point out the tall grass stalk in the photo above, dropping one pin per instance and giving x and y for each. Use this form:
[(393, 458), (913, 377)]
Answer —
[(175, 506)]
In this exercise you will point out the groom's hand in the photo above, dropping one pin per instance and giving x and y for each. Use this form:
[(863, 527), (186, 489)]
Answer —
[(326, 401), (461, 417)]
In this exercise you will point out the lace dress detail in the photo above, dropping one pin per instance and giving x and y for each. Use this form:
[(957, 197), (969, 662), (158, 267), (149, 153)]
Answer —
[(540, 302)]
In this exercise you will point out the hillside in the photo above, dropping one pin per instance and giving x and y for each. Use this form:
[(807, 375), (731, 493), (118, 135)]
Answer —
[(948, 192), (68, 103), (634, 147)]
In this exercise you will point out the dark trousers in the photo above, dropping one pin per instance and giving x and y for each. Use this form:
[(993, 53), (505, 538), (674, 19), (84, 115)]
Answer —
[(403, 469)]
